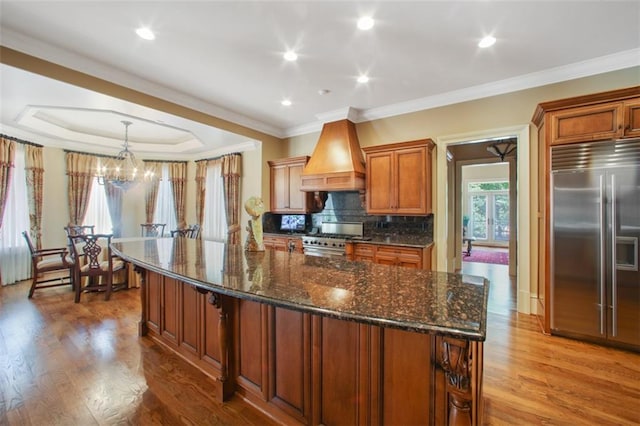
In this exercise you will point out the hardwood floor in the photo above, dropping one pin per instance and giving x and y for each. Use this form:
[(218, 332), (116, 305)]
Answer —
[(84, 364)]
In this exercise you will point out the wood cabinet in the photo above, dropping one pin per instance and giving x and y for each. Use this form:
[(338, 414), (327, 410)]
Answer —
[(286, 180), (302, 368), (399, 178), (600, 116), (283, 242), (591, 118), (395, 255)]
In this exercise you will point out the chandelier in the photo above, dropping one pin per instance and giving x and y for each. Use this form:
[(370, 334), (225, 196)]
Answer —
[(123, 171), (502, 148)]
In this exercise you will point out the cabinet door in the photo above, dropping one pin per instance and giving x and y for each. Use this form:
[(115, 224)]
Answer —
[(364, 252), (590, 123), (410, 258), (632, 119), (189, 321), (154, 292), (380, 183), (399, 256), (297, 198), (411, 193), (275, 243), (169, 323), (279, 188)]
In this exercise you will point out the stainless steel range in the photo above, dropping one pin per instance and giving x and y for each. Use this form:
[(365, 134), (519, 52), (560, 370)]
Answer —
[(332, 239)]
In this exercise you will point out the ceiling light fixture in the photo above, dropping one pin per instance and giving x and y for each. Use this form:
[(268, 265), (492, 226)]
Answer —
[(145, 33), (290, 56), (502, 148), (365, 23), (363, 79), (488, 41), (286, 102), (123, 170)]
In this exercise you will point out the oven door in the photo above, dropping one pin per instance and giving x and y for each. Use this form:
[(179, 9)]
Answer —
[(323, 251)]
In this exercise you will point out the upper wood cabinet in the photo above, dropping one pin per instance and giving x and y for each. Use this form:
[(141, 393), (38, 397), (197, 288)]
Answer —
[(399, 178), (286, 196), (591, 118)]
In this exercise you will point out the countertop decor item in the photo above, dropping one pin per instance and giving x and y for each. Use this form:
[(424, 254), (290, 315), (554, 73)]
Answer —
[(255, 207)]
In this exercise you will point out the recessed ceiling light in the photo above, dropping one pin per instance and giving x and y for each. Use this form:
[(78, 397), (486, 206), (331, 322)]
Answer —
[(286, 102), (290, 55), (365, 23), (487, 41), (363, 79), (324, 91), (145, 33)]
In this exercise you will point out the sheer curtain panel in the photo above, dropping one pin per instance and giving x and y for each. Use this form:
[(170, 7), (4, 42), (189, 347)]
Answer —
[(15, 261), (165, 211), (215, 219)]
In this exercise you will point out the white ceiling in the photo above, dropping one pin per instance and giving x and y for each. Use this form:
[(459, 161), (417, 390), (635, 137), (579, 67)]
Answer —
[(225, 58)]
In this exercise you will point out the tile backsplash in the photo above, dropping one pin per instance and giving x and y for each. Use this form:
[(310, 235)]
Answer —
[(346, 207)]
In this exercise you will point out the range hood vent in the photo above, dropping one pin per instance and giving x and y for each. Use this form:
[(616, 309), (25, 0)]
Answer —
[(337, 163)]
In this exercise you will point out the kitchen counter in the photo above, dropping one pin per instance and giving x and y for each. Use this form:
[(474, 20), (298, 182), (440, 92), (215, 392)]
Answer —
[(404, 240), (327, 325), (416, 300)]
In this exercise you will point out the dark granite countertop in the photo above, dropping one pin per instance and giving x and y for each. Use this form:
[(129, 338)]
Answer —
[(388, 296)]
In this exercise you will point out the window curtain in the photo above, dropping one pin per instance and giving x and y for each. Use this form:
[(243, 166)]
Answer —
[(34, 172), (178, 179), (151, 190), (201, 175), (231, 171), (7, 158), (113, 195), (165, 209), (81, 169), (15, 260), (214, 225)]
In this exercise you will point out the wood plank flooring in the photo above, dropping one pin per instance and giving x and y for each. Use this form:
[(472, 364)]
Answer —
[(63, 363)]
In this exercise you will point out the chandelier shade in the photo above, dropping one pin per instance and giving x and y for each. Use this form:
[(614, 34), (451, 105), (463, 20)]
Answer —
[(124, 171)]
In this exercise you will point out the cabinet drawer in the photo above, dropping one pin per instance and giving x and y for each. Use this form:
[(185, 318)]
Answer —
[(366, 250)]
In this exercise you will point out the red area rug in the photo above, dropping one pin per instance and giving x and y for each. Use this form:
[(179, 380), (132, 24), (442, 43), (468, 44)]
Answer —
[(485, 256)]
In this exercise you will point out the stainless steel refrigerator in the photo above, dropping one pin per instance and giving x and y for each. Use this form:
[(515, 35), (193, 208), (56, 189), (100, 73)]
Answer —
[(595, 232)]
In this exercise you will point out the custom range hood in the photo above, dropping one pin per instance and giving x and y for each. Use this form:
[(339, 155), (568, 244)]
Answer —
[(336, 163)]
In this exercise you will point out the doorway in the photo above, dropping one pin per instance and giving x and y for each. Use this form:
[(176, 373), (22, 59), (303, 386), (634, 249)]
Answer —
[(484, 206), (486, 203), (448, 229)]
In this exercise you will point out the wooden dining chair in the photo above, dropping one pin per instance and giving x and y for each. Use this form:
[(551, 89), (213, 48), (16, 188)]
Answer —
[(45, 262), (72, 230), (95, 264), (192, 231), (152, 229)]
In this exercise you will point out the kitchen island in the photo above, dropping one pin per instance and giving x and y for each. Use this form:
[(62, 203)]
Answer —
[(312, 340)]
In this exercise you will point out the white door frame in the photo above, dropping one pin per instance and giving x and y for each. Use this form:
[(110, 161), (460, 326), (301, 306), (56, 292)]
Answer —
[(525, 304)]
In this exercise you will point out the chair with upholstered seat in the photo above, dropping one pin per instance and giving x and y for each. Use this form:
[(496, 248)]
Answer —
[(192, 231), (152, 229), (95, 264), (45, 263)]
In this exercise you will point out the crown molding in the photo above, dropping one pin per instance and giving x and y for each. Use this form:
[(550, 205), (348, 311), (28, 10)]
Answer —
[(600, 65)]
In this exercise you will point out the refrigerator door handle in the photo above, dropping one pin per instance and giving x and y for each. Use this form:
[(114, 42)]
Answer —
[(614, 261), (602, 258)]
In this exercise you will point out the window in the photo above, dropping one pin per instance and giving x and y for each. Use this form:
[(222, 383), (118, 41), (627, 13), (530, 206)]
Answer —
[(98, 210), (15, 259), (215, 217), (165, 211), (488, 210)]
